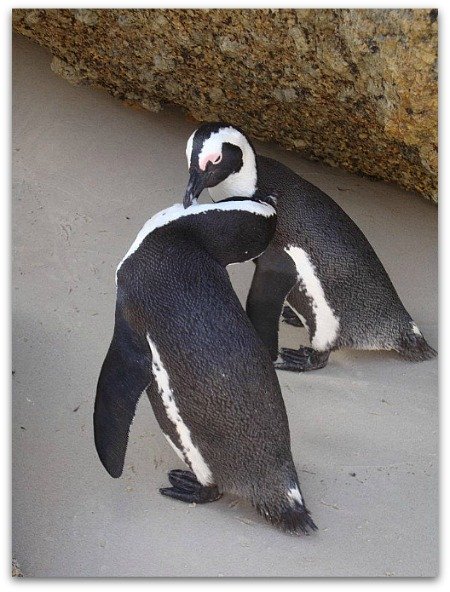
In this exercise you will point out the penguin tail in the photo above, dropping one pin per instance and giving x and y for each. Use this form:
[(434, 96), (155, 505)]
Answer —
[(287, 511), (412, 345)]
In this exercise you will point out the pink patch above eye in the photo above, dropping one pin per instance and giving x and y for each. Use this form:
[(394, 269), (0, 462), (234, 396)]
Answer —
[(214, 157)]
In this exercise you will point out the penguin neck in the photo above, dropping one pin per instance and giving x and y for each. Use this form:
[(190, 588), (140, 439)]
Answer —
[(228, 235), (240, 184)]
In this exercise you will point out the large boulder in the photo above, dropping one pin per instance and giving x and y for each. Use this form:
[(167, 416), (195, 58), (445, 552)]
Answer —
[(354, 88)]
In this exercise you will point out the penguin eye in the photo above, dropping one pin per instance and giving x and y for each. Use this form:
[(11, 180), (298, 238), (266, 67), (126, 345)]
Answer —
[(218, 159)]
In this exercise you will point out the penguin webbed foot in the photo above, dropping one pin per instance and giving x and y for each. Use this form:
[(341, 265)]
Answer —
[(186, 488), (303, 359), (290, 318)]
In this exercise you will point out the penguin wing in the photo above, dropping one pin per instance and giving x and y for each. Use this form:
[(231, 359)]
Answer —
[(125, 374)]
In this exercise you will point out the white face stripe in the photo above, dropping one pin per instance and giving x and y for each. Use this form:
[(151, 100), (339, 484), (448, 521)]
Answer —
[(242, 183), (200, 468), (178, 211), (189, 148), (213, 144), (327, 323)]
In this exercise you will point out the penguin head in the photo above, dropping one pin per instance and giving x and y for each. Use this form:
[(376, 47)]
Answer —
[(218, 153)]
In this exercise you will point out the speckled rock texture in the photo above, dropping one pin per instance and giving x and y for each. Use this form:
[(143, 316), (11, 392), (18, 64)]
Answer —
[(354, 88), (16, 572)]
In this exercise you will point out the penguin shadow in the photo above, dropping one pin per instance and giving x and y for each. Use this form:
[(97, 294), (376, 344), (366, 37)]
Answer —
[(355, 359), (56, 374), (54, 377), (377, 365)]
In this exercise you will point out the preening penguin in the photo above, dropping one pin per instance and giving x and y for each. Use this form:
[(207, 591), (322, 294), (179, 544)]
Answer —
[(181, 334), (319, 262)]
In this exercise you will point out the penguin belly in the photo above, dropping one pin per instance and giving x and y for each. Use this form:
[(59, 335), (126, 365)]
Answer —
[(308, 300)]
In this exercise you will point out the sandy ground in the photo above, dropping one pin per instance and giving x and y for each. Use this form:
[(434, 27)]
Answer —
[(87, 174)]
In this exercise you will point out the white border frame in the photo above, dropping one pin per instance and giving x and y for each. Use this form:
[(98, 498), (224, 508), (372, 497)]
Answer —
[(443, 581)]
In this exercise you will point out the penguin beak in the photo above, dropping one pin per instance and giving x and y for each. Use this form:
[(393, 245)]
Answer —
[(194, 187)]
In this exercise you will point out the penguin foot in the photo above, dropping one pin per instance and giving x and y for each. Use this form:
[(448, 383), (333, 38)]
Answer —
[(186, 488), (290, 318), (301, 360)]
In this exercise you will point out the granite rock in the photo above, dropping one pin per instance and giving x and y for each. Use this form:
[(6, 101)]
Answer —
[(354, 88)]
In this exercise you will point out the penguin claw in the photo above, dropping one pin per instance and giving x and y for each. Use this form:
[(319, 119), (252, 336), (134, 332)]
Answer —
[(184, 480), (186, 488), (175, 493), (301, 360), (298, 354), (290, 318)]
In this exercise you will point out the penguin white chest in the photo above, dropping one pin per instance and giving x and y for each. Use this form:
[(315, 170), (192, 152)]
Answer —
[(327, 323), (189, 450)]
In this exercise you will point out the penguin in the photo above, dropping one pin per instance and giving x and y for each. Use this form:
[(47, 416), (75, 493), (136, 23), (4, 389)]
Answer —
[(319, 270), (182, 335)]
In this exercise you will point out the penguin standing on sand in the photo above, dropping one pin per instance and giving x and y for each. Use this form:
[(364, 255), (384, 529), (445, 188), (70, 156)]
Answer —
[(181, 334), (318, 261)]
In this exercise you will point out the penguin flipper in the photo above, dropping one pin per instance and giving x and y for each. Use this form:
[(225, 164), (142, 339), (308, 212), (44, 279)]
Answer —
[(303, 359), (125, 374)]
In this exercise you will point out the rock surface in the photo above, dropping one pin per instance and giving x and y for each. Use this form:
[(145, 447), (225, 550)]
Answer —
[(354, 88), (16, 572)]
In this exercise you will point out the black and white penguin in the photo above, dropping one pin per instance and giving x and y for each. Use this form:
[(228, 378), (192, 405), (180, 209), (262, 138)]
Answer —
[(319, 262), (182, 335)]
